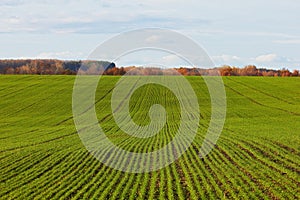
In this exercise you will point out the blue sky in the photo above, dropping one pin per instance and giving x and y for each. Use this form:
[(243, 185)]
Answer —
[(264, 33)]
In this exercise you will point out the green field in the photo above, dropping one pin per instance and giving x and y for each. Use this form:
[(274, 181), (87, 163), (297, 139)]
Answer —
[(256, 157)]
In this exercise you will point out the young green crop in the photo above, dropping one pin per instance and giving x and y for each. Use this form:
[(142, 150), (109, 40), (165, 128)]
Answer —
[(256, 157)]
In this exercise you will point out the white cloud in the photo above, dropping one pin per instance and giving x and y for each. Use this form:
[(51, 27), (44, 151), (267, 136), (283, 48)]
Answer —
[(153, 39), (172, 59), (65, 55), (266, 58), (10, 2), (90, 16), (226, 59), (271, 60), (293, 41)]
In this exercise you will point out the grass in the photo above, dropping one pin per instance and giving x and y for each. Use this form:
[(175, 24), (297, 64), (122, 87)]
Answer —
[(256, 157)]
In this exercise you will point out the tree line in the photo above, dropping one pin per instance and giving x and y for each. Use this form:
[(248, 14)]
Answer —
[(53, 66)]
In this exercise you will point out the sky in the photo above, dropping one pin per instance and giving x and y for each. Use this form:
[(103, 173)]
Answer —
[(237, 33)]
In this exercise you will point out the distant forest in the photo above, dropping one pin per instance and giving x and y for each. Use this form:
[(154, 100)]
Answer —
[(51, 66)]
